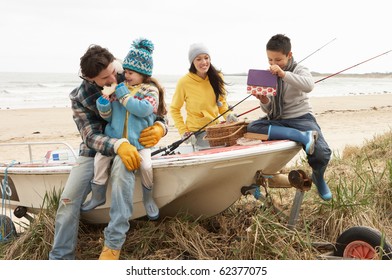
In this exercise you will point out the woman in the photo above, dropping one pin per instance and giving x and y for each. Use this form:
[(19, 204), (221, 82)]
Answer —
[(203, 91)]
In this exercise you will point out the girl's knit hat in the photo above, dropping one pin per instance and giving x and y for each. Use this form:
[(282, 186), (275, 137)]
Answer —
[(139, 58), (196, 49)]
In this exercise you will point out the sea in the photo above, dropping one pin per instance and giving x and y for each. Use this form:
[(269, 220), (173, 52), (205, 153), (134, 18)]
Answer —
[(51, 90)]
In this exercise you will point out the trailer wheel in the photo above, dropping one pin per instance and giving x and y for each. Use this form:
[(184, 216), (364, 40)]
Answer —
[(7, 228), (362, 243)]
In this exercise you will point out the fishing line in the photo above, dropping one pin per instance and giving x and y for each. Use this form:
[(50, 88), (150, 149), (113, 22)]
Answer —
[(318, 49)]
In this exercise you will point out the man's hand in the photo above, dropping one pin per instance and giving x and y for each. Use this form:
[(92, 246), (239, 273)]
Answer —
[(151, 135), (129, 156)]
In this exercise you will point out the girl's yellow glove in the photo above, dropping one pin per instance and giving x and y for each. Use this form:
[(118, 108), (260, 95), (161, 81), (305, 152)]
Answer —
[(129, 156), (151, 135)]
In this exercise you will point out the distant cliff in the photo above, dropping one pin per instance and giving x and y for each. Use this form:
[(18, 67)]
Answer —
[(316, 74), (366, 75)]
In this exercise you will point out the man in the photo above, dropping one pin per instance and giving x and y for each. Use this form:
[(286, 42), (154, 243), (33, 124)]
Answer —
[(98, 69)]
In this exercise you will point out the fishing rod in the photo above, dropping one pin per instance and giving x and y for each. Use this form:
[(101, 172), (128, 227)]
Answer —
[(353, 66), (244, 113), (337, 73), (173, 146)]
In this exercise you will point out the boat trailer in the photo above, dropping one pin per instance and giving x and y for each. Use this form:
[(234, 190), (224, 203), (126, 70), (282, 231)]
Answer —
[(358, 242), (295, 178)]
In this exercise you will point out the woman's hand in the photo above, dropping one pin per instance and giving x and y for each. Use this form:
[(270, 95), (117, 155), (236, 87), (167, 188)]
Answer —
[(190, 138)]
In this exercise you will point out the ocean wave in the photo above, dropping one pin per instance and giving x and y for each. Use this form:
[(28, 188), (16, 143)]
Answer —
[(54, 85), (48, 91)]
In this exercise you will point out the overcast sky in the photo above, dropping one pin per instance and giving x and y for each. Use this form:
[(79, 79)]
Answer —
[(52, 35)]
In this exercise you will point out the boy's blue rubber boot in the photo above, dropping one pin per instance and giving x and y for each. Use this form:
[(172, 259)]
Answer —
[(152, 209), (98, 197), (307, 139), (322, 187)]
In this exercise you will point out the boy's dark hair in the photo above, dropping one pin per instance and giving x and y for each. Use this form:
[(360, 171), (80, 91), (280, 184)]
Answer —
[(94, 61), (279, 43)]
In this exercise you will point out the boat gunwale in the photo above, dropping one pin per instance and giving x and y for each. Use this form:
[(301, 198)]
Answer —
[(225, 154), (193, 158)]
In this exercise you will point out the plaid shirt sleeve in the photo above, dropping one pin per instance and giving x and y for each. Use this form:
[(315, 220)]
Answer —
[(89, 123)]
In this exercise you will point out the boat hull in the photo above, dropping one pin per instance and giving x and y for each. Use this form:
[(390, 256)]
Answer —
[(201, 184)]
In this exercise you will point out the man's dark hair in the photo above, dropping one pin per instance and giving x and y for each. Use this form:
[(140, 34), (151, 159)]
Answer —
[(94, 61)]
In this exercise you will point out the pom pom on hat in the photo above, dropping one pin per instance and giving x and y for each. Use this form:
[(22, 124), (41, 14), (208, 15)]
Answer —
[(139, 58), (196, 49)]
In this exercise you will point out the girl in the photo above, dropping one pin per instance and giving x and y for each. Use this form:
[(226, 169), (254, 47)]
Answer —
[(134, 106)]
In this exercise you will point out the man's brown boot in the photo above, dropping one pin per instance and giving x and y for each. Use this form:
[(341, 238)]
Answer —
[(109, 254)]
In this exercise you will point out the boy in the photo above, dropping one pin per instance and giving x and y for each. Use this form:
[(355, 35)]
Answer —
[(289, 113)]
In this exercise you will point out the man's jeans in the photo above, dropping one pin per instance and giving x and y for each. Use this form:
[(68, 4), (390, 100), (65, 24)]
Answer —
[(74, 194)]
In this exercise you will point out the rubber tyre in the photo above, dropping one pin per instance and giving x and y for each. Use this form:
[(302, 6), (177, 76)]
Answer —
[(365, 235)]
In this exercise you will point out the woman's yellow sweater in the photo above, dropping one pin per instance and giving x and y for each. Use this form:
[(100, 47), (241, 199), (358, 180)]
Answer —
[(200, 103)]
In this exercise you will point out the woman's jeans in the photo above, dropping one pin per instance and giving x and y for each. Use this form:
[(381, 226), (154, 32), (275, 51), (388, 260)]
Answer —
[(322, 152), (75, 192)]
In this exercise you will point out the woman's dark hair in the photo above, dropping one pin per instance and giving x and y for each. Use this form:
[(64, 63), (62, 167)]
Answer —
[(216, 80), (94, 61)]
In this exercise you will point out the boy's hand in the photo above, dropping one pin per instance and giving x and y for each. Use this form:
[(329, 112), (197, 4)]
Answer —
[(276, 70), (263, 98)]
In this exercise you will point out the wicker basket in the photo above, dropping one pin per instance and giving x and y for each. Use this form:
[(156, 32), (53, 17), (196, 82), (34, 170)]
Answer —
[(225, 134)]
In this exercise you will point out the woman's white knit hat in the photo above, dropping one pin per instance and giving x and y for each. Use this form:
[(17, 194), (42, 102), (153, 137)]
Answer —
[(196, 49)]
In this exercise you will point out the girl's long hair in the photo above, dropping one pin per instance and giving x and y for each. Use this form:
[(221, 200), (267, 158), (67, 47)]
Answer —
[(162, 111)]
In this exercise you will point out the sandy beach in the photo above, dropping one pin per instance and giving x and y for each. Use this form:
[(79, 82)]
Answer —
[(344, 120)]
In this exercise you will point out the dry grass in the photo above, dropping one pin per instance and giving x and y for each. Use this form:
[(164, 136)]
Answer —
[(361, 181)]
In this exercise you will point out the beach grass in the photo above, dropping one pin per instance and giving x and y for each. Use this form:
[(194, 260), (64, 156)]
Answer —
[(251, 229)]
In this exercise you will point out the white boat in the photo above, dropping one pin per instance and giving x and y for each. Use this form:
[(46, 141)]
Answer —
[(200, 183)]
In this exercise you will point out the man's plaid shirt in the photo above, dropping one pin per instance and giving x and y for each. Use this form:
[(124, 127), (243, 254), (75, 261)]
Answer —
[(90, 125)]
